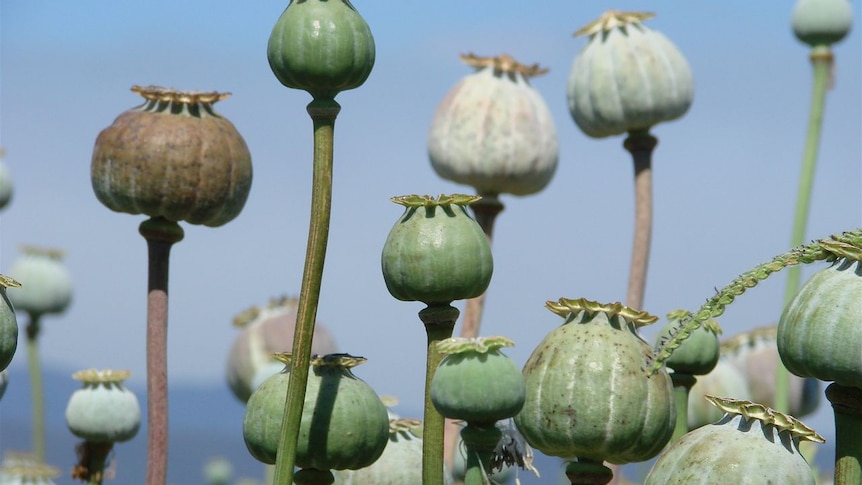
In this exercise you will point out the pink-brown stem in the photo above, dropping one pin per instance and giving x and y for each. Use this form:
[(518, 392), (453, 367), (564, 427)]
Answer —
[(160, 234), (640, 144)]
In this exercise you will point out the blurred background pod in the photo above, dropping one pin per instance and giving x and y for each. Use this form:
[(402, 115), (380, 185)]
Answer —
[(46, 286), (103, 410), (725, 379), (821, 22), (27, 472), (6, 186), (400, 463), (174, 157), (218, 471), (4, 381), (627, 78), (750, 444), (493, 131), (755, 354), (266, 330)]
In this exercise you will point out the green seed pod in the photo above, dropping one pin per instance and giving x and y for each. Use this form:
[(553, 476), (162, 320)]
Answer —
[(173, 157), (493, 131), (266, 331), (574, 406), (400, 463), (436, 253), (627, 78), (218, 471), (724, 380), (46, 286), (821, 22), (819, 333), (344, 423), (755, 354), (698, 354), (6, 187), (321, 46), (104, 410), (477, 383), (8, 323), (751, 444)]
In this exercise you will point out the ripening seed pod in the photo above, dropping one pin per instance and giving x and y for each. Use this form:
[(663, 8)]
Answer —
[(750, 444), (8, 323), (104, 410), (493, 130), (821, 22), (46, 286), (627, 78), (174, 157)]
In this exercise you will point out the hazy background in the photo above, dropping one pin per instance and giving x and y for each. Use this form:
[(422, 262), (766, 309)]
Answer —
[(725, 175)]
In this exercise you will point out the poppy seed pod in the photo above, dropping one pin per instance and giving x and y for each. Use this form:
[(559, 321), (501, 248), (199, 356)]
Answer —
[(628, 77), (493, 130), (104, 410), (173, 157), (46, 286)]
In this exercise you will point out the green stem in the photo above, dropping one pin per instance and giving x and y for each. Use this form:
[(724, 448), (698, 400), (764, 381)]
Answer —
[(821, 61), (485, 211), (682, 384), (847, 407), (313, 476), (439, 324), (847, 245), (641, 145), (323, 113), (37, 392), (480, 442), (160, 235), (586, 472), (94, 456)]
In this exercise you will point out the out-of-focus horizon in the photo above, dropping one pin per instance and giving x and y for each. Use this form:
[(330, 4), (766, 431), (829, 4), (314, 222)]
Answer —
[(725, 174)]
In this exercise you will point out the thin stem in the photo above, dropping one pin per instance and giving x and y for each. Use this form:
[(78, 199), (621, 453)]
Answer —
[(93, 457), (682, 384), (37, 391), (160, 235), (485, 211), (586, 472), (439, 324), (821, 61), (847, 407), (480, 442), (323, 113), (313, 476), (640, 144)]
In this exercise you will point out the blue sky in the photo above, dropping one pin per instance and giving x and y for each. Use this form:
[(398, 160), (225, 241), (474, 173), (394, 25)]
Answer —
[(725, 174)]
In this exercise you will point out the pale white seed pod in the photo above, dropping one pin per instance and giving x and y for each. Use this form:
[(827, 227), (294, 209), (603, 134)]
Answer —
[(104, 410), (628, 77), (493, 130), (46, 286)]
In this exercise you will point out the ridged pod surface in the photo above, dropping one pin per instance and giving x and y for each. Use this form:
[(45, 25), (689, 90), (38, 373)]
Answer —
[(321, 46), (103, 410), (173, 157), (493, 130), (724, 380), (8, 323), (46, 286), (754, 445), (477, 383), (628, 77), (587, 394), (344, 423), (820, 331), (698, 354), (436, 253), (266, 331)]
